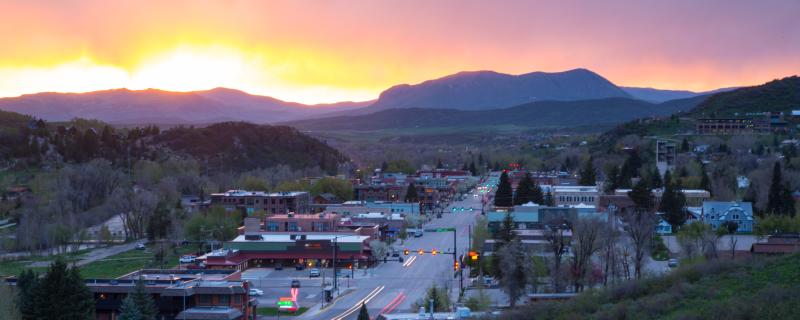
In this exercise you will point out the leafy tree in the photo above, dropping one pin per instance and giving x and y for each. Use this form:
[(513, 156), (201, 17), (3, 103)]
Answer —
[(441, 300), (588, 176), (411, 193), (215, 224), (145, 303), (523, 194), (8, 304), (128, 310), (341, 188), (363, 314), (503, 197), (514, 263)]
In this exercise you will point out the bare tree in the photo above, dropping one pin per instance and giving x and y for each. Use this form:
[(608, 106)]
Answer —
[(609, 242), (585, 243), (558, 236), (640, 227), (379, 249), (135, 207), (515, 264)]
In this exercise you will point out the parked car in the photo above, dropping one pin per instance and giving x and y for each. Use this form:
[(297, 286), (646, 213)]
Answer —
[(673, 263), (256, 292), (278, 267), (313, 273), (295, 283), (187, 259), (141, 246), (395, 254), (299, 267)]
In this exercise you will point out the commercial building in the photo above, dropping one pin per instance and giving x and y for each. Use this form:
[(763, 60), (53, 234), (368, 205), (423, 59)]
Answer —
[(179, 294), (249, 202), (380, 192), (694, 197), (574, 195), (269, 249), (665, 156), (351, 208), (323, 222)]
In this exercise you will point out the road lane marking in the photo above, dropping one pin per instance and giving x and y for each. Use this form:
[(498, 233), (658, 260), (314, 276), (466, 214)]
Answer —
[(409, 261), (358, 304)]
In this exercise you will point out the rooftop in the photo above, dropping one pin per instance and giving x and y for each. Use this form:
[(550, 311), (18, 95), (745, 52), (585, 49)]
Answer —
[(292, 237), (245, 193)]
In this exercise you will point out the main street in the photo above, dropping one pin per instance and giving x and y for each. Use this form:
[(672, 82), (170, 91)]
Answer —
[(395, 286)]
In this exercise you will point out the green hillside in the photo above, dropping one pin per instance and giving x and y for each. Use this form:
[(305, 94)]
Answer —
[(756, 289), (776, 95)]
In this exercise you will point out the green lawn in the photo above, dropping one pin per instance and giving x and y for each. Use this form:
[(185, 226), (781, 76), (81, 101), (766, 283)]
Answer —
[(273, 311), (129, 261), (15, 267)]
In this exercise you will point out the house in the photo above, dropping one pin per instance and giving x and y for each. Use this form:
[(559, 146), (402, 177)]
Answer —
[(715, 213)]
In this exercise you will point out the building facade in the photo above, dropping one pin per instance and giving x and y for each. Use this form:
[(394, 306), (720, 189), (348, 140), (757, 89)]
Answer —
[(250, 202)]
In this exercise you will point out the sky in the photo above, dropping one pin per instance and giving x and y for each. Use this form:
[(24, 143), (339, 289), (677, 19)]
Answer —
[(327, 51)]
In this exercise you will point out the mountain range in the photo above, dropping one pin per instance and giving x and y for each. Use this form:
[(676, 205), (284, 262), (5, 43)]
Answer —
[(465, 91)]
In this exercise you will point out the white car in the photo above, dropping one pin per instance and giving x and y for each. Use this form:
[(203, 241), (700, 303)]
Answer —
[(187, 259), (256, 292)]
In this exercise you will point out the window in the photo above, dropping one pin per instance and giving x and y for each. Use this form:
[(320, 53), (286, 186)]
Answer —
[(204, 299), (237, 299), (272, 226), (224, 300)]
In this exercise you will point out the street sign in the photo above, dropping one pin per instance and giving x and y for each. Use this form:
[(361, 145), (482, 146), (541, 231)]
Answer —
[(441, 230)]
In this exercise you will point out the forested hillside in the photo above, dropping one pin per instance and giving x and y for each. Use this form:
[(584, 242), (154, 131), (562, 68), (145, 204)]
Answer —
[(722, 289)]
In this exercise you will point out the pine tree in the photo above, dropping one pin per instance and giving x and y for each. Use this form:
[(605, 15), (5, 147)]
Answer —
[(26, 284), (496, 166), (523, 193), (439, 164), (685, 145), (384, 166), (588, 174), (465, 167), (775, 198), (128, 310), (504, 195), (537, 195), (64, 285), (506, 232), (642, 196), (672, 203), (473, 169), (145, 303), (549, 200), (363, 314), (411, 193), (705, 181), (655, 179)]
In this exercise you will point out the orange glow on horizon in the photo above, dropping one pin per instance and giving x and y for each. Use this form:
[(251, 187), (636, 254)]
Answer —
[(321, 52)]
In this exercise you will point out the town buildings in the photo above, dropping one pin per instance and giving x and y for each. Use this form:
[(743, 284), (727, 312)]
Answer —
[(574, 195), (250, 202), (665, 156), (716, 213)]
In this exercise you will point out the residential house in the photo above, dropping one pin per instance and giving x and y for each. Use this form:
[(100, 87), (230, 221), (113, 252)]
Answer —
[(715, 213)]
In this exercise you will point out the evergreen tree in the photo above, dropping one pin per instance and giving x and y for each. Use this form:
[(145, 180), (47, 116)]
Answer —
[(465, 167), (504, 195), (705, 181), (685, 145), (363, 314), (496, 166), (673, 203), (506, 232), (776, 203), (473, 169), (64, 285), (537, 195), (128, 310), (588, 174), (549, 200), (642, 196), (411, 193), (145, 303), (26, 284), (384, 166), (524, 188), (612, 179), (439, 164), (655, 179), (480, 159)]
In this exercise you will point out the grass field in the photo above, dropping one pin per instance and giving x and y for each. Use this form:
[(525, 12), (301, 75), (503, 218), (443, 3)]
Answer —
[(129, 261), (273, 311), (15, 267)]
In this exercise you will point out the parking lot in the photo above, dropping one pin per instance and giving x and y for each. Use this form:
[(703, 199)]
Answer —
[(277, 283)]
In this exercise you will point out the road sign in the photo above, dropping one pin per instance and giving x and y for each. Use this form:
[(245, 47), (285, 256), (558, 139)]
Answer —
[(441, 230)]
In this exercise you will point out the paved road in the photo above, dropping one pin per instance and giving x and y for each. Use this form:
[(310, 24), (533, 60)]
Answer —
[(394, 286)]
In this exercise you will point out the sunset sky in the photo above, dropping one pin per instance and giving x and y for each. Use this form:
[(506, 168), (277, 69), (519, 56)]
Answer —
[(327, 51)]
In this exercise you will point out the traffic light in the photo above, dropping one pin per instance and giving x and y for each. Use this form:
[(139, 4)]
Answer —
[(455, 265), (421, 252), (433, 252), (473, 255), (405, 252)]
